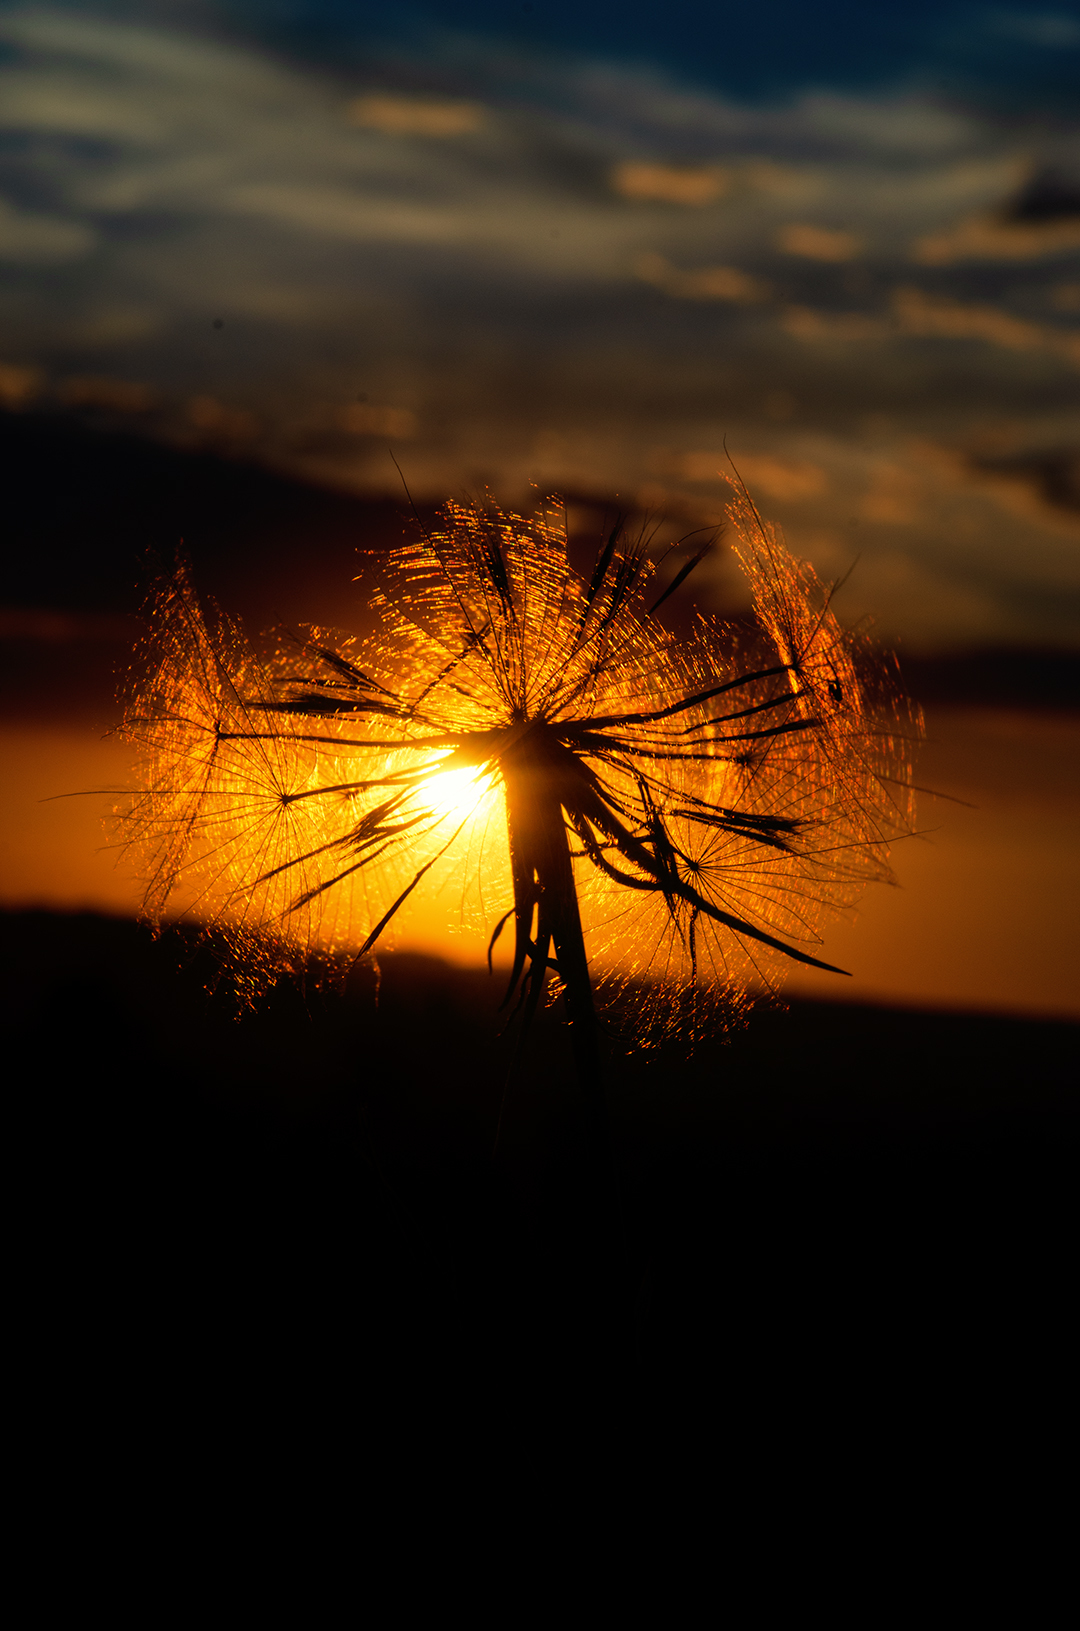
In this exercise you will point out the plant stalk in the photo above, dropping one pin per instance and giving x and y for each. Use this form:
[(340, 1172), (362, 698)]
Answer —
[(547, 915)]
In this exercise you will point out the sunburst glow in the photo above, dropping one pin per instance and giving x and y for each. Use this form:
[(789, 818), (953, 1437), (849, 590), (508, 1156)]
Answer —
[(456, 792)]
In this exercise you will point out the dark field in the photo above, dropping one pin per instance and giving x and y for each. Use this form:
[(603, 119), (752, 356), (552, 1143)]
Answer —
[(842, 1202)]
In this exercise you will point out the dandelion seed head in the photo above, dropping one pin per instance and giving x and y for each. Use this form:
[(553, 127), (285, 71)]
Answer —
[(678, 815)]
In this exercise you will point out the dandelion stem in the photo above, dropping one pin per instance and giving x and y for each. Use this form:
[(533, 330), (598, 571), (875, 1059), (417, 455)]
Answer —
[(544, 885)]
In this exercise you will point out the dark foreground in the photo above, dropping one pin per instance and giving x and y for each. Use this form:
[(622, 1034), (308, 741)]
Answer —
[(841, 1199)]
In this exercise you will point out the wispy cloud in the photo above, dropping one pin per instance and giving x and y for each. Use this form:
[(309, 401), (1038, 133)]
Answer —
[(984, 238), (30, 239), (413, 116), (819, 243)]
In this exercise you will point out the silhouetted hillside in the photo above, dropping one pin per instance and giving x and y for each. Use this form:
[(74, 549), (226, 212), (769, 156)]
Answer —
[(834, 1187)]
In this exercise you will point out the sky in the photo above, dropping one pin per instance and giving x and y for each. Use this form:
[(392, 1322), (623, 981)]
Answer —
[(598, 249), (618, 252)]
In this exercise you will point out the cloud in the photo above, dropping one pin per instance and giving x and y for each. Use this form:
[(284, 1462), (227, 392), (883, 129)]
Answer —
[(19, 386), (368, 419), (706, 283), (894, 496), (220, 423), (783, 181), (786, 480), (934, 316), (803, 323), (405, 116), (41, 240), (915, 312), (699, 185), (96, 391), (819, 243), (1041, 486), (339, 213), (984, 238), (903, 125)]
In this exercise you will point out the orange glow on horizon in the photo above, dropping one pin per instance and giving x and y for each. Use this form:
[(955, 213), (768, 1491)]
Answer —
[(982, 919)]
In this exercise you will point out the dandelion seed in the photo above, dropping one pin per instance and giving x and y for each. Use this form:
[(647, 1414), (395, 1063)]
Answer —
[(667, 817)]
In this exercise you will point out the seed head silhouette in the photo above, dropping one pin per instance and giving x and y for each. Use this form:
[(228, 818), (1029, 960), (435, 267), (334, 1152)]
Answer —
[(662, 819)]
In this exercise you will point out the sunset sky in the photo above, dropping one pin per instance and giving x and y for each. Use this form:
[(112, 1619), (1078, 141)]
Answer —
[(606, 251)]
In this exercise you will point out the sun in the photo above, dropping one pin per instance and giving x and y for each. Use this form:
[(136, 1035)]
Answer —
[(457, 792)]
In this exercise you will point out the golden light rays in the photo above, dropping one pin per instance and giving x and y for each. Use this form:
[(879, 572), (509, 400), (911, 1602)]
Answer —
[(532, 745)]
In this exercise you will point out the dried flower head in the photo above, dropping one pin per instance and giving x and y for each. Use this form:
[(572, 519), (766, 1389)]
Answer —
[(673, 816)]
